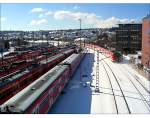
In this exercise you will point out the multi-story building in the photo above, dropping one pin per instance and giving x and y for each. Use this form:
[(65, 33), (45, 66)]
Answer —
[(129, 37), (2, 45), (146, 42)]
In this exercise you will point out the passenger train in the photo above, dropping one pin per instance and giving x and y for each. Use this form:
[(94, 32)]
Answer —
[(9, 86), (7, 64), (39, 96)]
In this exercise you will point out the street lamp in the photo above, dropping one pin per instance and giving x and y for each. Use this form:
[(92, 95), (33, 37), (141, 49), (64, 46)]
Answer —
[(80, 32), (80, 48)]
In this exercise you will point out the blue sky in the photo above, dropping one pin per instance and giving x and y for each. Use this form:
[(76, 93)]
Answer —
[(65, 16)]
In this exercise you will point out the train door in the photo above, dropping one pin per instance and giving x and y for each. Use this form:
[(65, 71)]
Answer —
[(36, 110), (50, 102), (51, 92)]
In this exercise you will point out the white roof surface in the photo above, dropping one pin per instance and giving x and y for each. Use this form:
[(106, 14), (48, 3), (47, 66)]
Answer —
[(70, 59), (50, 59)]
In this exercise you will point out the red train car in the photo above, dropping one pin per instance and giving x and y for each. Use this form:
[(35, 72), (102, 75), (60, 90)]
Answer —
[(15, 85), (104, 51), (39, 96), (14, 57), (27, 56)]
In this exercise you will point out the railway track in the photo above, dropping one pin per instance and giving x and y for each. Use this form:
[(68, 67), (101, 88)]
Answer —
[(123, 95), (135, 83), (139, 92), (137, 79), (111, 88)]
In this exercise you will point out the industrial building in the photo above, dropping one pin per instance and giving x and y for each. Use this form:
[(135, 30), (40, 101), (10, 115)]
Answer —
[(129, 37)]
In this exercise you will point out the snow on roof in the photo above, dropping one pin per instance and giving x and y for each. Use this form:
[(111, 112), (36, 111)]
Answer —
[(82, 39), (133, 55), (70, 59), (126, 57), (55, 57), (139, 52), (18, 75), (5, 53), (51, 59), (137, 61), (68, 51)]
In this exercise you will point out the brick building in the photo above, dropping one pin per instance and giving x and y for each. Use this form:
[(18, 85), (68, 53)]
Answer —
[(129, 37), (146, 42)]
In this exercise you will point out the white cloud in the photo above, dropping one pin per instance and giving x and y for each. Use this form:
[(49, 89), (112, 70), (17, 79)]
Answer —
[(37, 10), (91, 18), (76, 7), (87, 18), (49, 13), (41, 15), (3, 19), (60, 15), (38, 22)]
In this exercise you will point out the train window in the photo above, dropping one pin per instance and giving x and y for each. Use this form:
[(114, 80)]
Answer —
[(50, 101), (44, 103), (63, 78), (35, 111), (60, 78), (50, 91), (55, 90)]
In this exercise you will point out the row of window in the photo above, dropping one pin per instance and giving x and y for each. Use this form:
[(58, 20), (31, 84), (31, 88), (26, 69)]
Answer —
[(130, 26)]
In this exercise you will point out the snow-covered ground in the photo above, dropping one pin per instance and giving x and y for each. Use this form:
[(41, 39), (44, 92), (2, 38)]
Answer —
[(122, 91), (55, 43)]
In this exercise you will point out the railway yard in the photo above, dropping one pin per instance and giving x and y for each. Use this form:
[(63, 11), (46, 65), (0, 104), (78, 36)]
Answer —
[(118, 90), (70, 80)]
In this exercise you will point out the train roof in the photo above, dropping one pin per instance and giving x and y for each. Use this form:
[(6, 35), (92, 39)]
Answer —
[(21, 101), (68, 51), (4, 80), (70, 59), (50, 59), (54, 57), (18, 75), (84, 51)]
